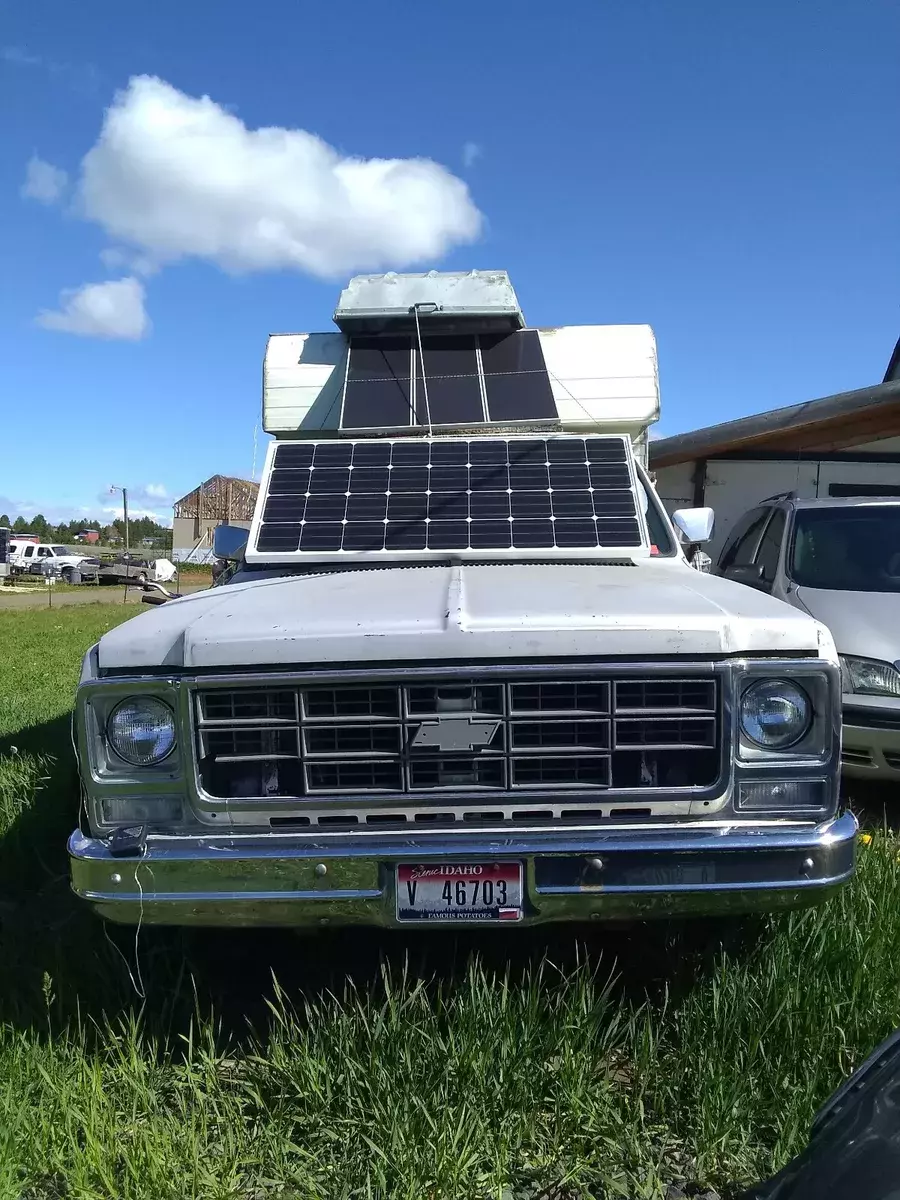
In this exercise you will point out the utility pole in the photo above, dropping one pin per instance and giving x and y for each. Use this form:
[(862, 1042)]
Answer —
[(124, 490)]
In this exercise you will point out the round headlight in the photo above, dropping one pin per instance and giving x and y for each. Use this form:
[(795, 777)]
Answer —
[(775, 713), (141, 730)]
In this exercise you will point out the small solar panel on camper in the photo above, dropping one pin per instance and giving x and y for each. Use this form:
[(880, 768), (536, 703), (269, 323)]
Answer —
[(378, 391), (515, 377), (553, 493)]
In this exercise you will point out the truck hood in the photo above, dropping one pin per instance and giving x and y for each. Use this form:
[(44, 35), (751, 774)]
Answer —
[(401, 614), (862, 623)]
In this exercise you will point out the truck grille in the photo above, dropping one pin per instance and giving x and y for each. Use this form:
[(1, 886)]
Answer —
[(467, 736)]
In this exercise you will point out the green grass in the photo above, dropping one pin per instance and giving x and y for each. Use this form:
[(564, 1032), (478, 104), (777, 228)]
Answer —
[(40, 657), (202, 570), (381, 1066)]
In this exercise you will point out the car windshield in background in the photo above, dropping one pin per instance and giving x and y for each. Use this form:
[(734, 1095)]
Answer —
[(657, 527), (848, 549), (65, 550)]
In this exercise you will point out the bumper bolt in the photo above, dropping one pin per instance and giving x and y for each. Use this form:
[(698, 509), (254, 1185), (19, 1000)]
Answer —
[(321, 869), (115, 877), (596, 864), (807, 865)]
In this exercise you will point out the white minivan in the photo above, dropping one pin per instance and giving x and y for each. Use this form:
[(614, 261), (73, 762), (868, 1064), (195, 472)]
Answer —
[(837, 559)]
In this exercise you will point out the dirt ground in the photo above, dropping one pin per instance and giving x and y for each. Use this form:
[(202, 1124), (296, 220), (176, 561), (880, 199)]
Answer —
[(56, 597)]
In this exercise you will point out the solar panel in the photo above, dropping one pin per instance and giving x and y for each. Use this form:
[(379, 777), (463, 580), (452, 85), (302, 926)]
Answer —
[(515, 377), (453, 387), (551, 493), (378, 392), (468, 379)]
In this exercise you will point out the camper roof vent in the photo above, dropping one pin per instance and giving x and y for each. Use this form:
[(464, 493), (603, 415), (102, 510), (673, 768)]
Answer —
[(445, 301)]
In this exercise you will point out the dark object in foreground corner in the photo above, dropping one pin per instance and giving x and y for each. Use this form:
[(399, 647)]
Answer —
[(854, 1145)]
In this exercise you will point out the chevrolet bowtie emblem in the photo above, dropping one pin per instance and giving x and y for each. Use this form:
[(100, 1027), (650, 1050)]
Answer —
[(455, 733)]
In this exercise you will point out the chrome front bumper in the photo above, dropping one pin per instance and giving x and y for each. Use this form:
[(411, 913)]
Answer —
[(316, 880)]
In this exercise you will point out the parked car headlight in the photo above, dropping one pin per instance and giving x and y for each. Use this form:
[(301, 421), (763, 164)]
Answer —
[(775, 713), (141, 730), (869, 677)]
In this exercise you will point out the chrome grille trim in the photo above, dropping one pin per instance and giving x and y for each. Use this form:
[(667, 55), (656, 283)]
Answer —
[(330, 739), (441, 817)]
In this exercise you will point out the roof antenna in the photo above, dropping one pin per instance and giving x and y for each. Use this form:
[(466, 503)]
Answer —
[(426, 306)]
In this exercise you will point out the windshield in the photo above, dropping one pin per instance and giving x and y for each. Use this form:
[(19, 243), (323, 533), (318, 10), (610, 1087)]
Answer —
[(848, 549), (661, 542), (65, 550)]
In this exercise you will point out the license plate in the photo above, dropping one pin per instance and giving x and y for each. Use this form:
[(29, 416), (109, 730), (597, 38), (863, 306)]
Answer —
[(460, 892)]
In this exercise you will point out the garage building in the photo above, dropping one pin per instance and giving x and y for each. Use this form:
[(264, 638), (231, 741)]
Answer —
[(221, 500), (842, 445)]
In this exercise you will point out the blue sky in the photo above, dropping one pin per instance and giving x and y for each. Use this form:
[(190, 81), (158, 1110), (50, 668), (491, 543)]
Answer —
[(727, 173)]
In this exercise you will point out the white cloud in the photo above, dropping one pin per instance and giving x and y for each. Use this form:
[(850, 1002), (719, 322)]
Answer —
[(144, 500), (175, 176), (114, 309), (111, 511), (471, 152), (82, 77), (116, 259), (43, 181), (19, 57), (54, 513)]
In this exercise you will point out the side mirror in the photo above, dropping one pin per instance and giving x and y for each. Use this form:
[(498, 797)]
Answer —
[(750, 574), (229, 542), (695, 523)]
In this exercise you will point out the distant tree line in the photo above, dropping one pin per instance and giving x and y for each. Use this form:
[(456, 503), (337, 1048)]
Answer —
[(110, 532)]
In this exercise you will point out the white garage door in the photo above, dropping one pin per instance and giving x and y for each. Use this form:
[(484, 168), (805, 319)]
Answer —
[(859, 478)]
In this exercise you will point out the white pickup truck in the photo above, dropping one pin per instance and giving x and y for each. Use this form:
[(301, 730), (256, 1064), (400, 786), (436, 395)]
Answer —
[(32, 557), (72, 565), (461, 670)]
